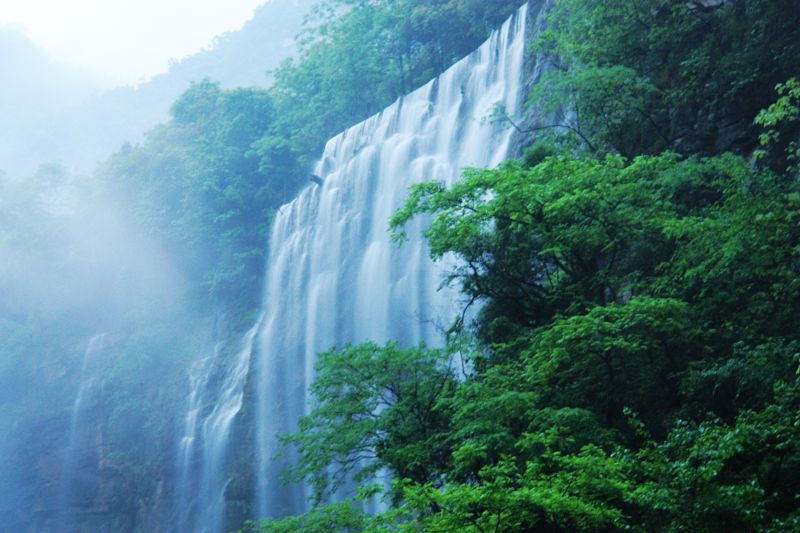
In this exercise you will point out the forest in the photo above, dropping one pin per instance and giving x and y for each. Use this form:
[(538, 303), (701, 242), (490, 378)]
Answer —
[(623, 352)]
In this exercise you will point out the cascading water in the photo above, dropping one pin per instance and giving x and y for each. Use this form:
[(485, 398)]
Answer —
[(77, 440), (334, 277), (214, 402), (198, 380)]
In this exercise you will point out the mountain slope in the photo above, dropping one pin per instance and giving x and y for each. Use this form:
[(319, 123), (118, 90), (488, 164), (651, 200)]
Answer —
[(78, 129)]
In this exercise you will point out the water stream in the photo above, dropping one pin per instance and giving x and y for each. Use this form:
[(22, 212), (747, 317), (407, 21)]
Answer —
[(215, 398), (334, 276), (78, 444)]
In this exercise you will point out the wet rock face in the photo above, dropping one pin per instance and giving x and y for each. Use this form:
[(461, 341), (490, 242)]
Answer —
[(74, 459), (102, 494), (77, 503), (536, 66), (697, 129)]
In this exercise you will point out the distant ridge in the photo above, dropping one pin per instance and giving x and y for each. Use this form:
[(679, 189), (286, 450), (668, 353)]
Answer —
[(48, 128)]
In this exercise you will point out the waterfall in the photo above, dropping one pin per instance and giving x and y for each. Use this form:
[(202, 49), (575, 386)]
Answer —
[(333, 275), (198, 380), (215, 398), (78, 442)]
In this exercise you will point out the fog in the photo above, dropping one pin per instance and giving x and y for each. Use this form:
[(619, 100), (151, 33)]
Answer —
[(78, 113), (75, 267), (102, 314), (67, 246), (108, 37)]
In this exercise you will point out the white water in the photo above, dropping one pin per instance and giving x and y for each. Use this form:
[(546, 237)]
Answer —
[(201, 478), (334, 276), (198, 380), (77, 440)]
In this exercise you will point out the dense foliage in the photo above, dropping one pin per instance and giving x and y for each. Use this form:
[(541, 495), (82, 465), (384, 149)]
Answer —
[(650, 75), (641, 355), (634, 362)]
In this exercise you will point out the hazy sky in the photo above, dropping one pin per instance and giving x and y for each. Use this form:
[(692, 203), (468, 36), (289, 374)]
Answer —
[(125, 40)]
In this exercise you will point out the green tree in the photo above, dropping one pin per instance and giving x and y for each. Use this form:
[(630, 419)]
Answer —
[(376, 407), (207, 184), (780, 120), (649, 75)]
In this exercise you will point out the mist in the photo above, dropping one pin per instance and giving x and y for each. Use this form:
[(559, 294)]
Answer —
[(73, 268), (77, 115), (102, 310)]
